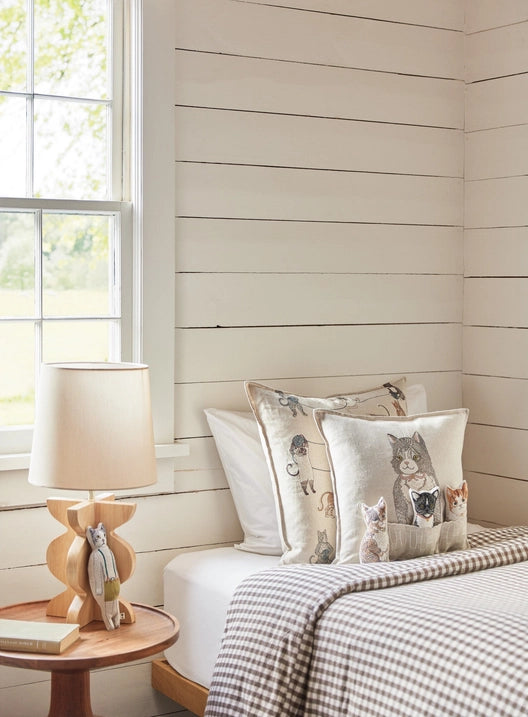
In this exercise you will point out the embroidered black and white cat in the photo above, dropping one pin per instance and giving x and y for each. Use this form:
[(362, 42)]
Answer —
[(374, 546), (324, 551), (413, 468), (424, 503)]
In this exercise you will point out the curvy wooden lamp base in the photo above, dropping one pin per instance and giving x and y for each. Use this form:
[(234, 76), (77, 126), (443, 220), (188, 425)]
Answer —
[(67, 555)]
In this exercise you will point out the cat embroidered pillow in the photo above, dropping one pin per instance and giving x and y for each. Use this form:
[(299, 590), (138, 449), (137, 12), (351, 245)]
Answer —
[(409, 461), (298, 465)]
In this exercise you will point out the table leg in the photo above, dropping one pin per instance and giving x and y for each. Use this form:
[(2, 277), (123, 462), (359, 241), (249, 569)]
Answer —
[(70, 694)]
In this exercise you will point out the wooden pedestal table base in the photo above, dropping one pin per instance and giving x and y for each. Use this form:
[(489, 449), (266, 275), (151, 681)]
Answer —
[(153, 631)]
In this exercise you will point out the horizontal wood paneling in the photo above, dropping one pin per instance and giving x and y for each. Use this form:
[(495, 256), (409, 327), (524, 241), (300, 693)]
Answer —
[(493, 497), (286, 299), (496, 202), (496, 352), (496, 252), (486, 14), (315, 351), (233, 137), (227, 27), (501, 152), (496, 302), (286, 247), (209, 190), (223, 81), (443, 392), (497, 103), (496, 401), (448, 14), (498, 52), (496, 451)]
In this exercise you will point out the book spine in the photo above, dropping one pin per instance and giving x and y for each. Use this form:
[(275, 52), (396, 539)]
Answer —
[(28, 645)]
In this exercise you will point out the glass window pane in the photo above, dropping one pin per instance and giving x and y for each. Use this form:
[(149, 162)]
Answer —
[(12, 146), (17, 264), (76, 269), (71, 48), (70, 149), (13, 45), (76, 340), (17, 373)]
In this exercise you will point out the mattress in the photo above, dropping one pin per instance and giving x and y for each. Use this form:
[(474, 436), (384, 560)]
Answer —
[(198, 587)]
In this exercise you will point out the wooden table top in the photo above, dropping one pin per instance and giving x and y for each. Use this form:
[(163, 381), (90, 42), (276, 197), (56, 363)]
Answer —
[(153, 631)]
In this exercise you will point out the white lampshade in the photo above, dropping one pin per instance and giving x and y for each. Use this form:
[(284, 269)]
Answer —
[(93, 428)]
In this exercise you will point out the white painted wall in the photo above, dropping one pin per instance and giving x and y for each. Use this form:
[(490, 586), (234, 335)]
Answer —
[(319, 178), (495, 385)]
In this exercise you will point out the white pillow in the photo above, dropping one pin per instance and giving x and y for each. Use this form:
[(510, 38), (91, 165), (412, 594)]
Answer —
[(238, 443)]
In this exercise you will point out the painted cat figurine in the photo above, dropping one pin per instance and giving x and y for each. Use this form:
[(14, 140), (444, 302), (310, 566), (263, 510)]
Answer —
[(374, 546), (412, 465), (456, 502), (103, 577), (324, 552), (424, 503)]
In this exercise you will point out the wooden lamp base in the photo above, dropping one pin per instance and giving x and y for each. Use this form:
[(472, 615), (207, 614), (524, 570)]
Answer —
[(67, 555)]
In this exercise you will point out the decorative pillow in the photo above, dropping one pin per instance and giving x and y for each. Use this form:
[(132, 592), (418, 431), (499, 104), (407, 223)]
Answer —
[(238, 443), (298, 464), (393, 457)]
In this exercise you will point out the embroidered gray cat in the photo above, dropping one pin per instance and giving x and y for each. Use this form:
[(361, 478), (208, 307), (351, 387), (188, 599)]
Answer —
[(324, 551), (414, 470)]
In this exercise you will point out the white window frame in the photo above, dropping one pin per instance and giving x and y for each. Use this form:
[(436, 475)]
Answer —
[(148, 260)]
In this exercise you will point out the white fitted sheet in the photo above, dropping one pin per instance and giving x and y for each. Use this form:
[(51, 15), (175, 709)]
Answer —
[(198, 587)]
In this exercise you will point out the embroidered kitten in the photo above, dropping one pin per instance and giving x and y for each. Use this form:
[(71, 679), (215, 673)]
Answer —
[(424, 503), (374, 546), (456, 502), (324, 551)]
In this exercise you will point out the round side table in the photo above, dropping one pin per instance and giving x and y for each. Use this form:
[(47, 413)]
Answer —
[(153, 631)]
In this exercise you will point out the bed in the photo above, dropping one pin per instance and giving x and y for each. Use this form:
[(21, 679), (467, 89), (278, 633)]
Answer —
[(432, 633)]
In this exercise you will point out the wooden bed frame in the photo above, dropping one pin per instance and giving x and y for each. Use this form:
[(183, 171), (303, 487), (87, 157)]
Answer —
[(188, 694)]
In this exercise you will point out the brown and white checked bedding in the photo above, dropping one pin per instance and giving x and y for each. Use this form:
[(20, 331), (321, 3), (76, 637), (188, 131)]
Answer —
[(442, 635)]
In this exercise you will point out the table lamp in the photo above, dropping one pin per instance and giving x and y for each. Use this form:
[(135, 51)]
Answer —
[(93, 432)]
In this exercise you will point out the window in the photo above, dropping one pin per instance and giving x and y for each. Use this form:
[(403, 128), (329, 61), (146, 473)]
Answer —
[(65, 246)]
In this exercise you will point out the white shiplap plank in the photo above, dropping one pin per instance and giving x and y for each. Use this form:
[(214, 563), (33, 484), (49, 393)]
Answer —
[(497, 103), (293, 194), (496, 202), (496, 302), (210, 300), (496, 401), (300, 351), (496, 352), (252, 246), (487, 502), (444, 391), (225, 136), (498, 52), (501, 152), (223, 81), (448, 14), (496, 451), (225, 27), (487, 14), (496, 252)]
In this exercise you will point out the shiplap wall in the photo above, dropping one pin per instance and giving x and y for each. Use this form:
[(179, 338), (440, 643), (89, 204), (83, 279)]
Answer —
[(495, 385), (319, 202)]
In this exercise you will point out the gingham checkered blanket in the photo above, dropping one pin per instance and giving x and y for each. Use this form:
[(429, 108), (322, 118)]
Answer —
[(444, 635)]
